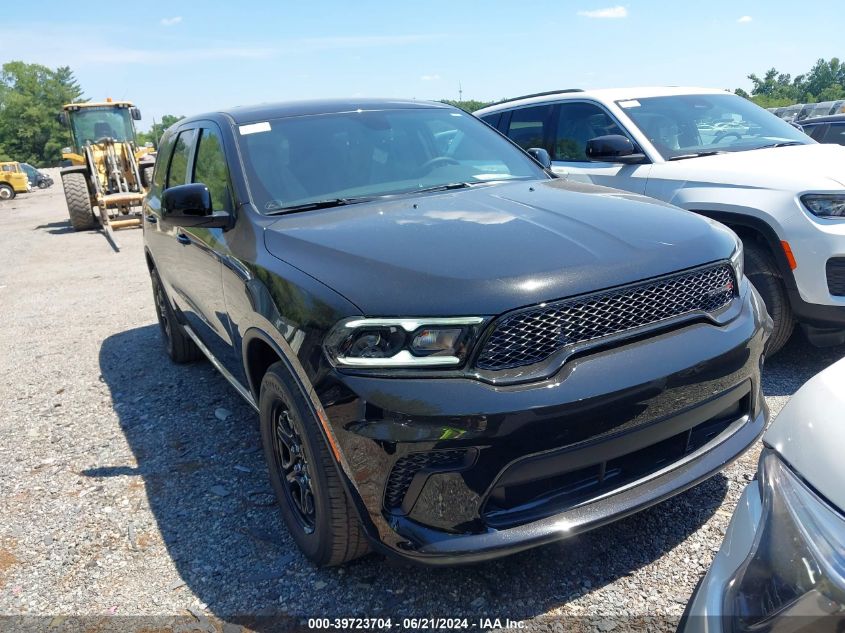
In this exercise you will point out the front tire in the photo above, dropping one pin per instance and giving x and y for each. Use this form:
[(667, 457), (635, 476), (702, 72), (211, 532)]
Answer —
[(180, 347), (763, 273), (314, 504), (6, 192), (78, 202)]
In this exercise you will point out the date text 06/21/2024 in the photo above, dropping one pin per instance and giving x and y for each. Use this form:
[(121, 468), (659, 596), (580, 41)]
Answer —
[(413, 623)]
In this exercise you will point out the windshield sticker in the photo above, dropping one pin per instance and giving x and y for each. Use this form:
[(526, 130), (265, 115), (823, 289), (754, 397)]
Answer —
[(493, 176), (630, 103), (254, 128)]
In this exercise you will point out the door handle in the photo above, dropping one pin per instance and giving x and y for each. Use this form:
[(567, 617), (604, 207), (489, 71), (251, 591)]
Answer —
[(183, 239), (151, 218)]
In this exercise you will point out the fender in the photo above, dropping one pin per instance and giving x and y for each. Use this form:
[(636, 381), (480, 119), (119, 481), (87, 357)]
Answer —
[(73, 169), (765, 231), (269, 335)]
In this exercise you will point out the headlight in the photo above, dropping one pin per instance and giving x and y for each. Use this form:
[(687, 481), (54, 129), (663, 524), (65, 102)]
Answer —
[(411, 342), (797, 561), (738, 260), (825, 205)]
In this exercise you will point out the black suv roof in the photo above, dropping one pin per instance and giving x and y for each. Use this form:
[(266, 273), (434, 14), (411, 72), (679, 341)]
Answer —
[(831, 118), (265, 111)]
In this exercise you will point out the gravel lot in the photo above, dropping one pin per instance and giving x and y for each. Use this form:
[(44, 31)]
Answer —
[(130, 486)]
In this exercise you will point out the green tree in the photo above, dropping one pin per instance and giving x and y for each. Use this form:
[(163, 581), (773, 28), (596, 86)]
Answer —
[(31, 95), (470, 105), (154, 134), (776, 88), (824, 82)]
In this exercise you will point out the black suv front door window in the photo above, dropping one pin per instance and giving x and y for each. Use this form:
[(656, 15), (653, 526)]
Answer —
[(178, 172), (835, 134), (211, 170)]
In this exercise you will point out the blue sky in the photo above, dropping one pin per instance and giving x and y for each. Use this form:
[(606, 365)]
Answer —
[(178, 58)]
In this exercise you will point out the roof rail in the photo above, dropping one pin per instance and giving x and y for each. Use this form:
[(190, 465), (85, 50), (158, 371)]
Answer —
[(539, 94)]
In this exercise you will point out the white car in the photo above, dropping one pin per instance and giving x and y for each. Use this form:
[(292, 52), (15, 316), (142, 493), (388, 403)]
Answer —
[(781, 566), (717, 154)]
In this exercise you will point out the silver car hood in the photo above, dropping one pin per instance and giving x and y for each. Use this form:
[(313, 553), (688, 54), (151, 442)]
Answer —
[(809, 432)]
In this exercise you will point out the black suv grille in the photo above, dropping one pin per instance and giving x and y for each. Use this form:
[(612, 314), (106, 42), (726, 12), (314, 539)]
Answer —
[(836, 276), (407, 467), (533, 335)]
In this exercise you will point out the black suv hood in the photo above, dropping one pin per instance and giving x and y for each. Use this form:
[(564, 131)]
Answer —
[(486, 250)]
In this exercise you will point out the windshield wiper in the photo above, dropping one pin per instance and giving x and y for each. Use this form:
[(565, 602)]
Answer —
[(448, 187), (319, 204), (781, 144), (698, 154)]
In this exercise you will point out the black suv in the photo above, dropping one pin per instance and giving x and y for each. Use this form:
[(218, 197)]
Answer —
[(825, 129), (453, 354)]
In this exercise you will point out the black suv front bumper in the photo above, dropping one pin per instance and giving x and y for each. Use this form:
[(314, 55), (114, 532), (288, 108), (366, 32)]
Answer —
[(458, 470)]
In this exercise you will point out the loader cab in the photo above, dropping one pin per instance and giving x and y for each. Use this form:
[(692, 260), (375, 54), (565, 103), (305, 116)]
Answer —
[(91, 122)]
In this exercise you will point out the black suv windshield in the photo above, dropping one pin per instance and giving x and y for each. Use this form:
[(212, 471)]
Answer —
[(295, 161), (688, 125)]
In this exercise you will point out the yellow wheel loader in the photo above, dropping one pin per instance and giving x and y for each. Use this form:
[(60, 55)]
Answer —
[(104, 168)]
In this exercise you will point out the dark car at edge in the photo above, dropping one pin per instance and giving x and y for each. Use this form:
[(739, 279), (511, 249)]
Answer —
[(454, 355), (825, 129)]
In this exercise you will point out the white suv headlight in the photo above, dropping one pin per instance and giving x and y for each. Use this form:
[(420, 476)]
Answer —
[(825, 205)]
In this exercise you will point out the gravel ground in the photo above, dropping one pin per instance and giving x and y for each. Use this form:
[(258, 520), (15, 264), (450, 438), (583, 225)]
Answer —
[(130, 486)]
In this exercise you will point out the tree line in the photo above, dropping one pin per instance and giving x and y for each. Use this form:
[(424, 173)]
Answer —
[(825, 81), (31, 95)]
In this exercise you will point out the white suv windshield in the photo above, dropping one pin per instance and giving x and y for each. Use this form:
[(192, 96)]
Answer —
[(305, 159), (684, 125)]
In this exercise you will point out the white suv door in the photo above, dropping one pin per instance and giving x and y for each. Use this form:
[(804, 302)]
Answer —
[(576, 123)]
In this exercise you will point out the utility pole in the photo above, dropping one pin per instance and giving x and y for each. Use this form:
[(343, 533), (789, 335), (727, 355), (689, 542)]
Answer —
[(460, 92)]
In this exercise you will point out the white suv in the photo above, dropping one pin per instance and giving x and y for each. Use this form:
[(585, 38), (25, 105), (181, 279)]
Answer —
[(717, 154)]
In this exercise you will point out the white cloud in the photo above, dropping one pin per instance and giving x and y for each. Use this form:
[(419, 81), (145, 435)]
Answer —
[(608, 13), (433, 77), (745, 19), (171, 21)]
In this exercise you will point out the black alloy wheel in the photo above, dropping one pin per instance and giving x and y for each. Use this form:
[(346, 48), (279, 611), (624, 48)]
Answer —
[(304, 474), (291, 459)]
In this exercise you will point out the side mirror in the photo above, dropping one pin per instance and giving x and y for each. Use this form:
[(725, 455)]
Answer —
[(541, 156), (135, 113), (61, 117), (613, 148), (190, 205)]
